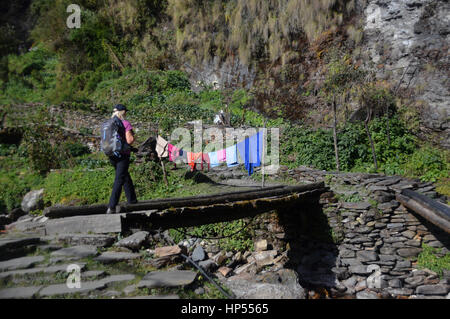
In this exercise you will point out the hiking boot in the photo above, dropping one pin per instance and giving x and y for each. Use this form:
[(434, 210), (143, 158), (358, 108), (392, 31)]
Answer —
[(114, 211)]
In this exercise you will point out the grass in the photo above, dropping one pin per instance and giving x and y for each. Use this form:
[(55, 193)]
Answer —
[(433, 259)]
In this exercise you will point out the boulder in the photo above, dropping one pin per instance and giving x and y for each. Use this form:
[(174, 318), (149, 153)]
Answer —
[(33, 200), (134, 241), (198, 254), (169, 250)]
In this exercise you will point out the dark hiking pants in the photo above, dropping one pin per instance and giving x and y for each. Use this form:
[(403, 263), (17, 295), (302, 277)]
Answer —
[(122, 178)]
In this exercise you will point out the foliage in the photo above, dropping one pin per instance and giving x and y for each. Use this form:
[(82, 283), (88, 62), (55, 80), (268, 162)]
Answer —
[(251, 29), (429, 164), (30, 76), (16, 177), (402, 156), (78, 186), (232, 236), (433, 259)]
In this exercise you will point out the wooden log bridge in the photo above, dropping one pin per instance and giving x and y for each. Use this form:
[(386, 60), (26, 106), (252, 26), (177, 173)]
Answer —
[(433, 211), (182, 212)]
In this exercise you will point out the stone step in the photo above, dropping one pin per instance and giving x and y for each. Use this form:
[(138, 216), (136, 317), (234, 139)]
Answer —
[(62, 289), (20, 263), (173, 278), (113, 256), (43, 270), (19, 292), (81, 251)]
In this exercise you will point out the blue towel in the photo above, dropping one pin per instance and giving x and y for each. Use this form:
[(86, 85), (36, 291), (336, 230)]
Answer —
[(231, 156), (213, 160), (250, 151)]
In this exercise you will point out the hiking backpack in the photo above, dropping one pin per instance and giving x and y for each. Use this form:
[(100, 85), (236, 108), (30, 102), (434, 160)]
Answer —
[(113, 142)]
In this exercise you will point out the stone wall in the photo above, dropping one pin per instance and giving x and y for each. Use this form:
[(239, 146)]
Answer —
[(359, 242)]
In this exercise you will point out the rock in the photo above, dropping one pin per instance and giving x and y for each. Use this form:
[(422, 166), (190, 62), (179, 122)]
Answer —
[(264, 258), (97, 224), (199, 291), (399, 291), (62, 289), (129, 289), (207, 265), (261, 245), (432, 290), (19, 292), (402, 264), (98, 240), (20, 263), (220, 258), (225, 271), (198, 254), (249, 267), (247, 289), (366, 255), (158, 279), (395, 283), (359, 270), (357, 205), (15, 243), (81, 251), (39, 270), (15, 214), (169, 250), (415, 280), (366, 295), (93, 274), (33, 200), (113, 256), (409, 252), (134, 241), (117, 278)]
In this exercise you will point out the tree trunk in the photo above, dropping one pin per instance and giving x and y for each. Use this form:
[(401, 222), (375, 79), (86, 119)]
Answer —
[(336, 151), (366, 124), (387, 125), (193, 201)]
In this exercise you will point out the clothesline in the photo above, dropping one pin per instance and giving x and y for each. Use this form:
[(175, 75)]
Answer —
[(249, 151)]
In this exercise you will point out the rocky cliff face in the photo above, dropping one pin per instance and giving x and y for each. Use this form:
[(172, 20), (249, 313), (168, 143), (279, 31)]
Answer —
[(408, 41)]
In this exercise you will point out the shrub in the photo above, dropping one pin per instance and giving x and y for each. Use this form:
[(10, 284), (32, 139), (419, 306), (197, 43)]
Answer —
[(79, 186)]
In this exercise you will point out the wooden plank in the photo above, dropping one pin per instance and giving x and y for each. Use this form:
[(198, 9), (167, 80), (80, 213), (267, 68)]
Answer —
[(427, 212), (201, 215), (159, 204), (98, 224)]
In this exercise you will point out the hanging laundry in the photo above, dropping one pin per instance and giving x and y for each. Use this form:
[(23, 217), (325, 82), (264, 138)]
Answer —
[(250, 151), (213, 157), (181, 157), (161, 147), (206, 159), (173, 152), (197, 158), (221, 156), (231, 156), (191, 160)]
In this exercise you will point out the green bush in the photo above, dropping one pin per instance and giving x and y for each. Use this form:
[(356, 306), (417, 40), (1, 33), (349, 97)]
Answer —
[(15, 184), (429, 164), (432, 258), (80, 187), (232, 236)]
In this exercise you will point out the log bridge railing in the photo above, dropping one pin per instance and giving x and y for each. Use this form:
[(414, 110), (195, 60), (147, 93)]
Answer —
[(182, 212), (433, 211)]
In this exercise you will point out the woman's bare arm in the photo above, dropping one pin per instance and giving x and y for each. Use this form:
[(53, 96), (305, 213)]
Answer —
[(130, 137)]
